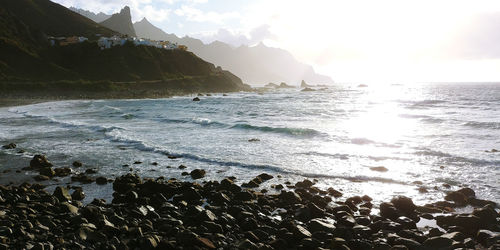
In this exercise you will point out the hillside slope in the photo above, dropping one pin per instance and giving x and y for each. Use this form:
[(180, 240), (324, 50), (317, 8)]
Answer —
[(25, 55), (53, 19)]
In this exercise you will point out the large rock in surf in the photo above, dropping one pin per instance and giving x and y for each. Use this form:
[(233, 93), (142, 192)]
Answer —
[(40, 161), (197, 173)]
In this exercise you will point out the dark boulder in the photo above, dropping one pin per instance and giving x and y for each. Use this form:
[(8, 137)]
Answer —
[(304, 184), (265, 177), (78, 195), (388, 210), (101, 180), (404, 204), (197, 173), (196, 99), (47, 171), (487, 215), (9, 146), (334, 192), (317, 225), (40, 161), (438, 243), (62, 194), (61, 172), (289, 198), (77, 164)]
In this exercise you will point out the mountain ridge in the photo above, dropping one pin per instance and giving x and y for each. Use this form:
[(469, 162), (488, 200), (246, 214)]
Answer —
[(96, 17), (264, 67), (121, 22)]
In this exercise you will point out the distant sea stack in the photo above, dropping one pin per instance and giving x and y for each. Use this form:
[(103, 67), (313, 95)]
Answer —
[(121, 22), (303, 84)]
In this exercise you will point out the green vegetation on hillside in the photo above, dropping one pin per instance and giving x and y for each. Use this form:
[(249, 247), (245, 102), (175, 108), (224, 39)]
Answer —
[(29, 66)]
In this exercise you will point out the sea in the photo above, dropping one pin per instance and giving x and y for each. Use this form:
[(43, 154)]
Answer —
[(433, 136)]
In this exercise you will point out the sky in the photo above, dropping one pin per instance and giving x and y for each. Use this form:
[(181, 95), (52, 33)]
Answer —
[(351, 41)]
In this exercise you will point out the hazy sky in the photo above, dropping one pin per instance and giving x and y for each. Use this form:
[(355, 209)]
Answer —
[(385, 40)]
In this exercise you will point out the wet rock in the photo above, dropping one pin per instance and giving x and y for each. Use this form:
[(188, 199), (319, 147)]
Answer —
[(191, 194), (457, 197), (300, 232), (78, 195), (196, 99), (304, 184), (480, 203), (379, 169), (247, 244), (254, 140), (315, 211), (101, 180), (41, 178), (62, 194), (77, 164), (347, 220), (366, 198), (82, 178), (9, 146), (316, 225), (61, 172), (334, 192), (428, 209), (265, 177), (204, 243), (40, 161), (47, 171), (388, 210), (457, 236), (69, 208), (244, 196), (289, 197), (438, 243), (91, 171), (487, 237), (255, 182), (403, 204), (487, 215)]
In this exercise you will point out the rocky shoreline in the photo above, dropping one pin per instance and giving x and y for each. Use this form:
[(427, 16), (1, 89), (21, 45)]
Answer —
[(167, 213)]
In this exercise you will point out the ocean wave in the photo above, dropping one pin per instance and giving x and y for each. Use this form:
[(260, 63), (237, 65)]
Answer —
[(414, 116), (424, 118), (366, 141), (70, 124), (421, 104), (361, 141), (336, 156), (118, 136), (358, 178), (487, 125), (449, 158), (199, 121), (383, 158), (287, 131), (432, 120)]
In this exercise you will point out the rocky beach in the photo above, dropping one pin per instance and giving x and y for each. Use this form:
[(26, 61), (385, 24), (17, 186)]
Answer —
[(167, 213)]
